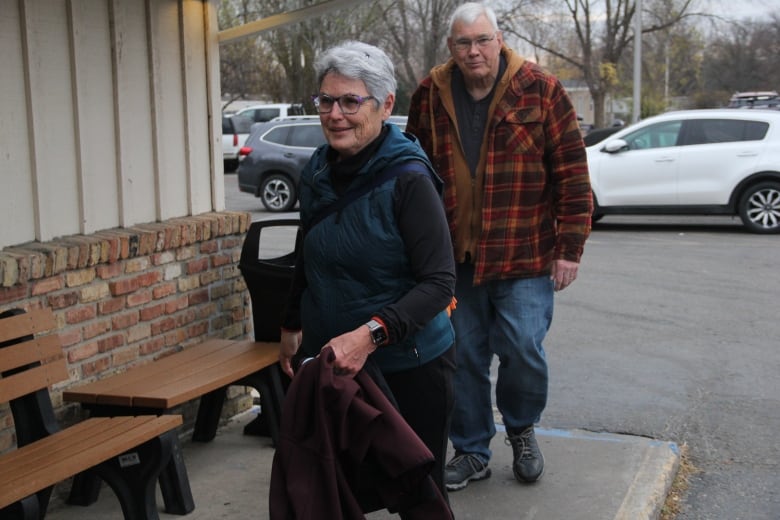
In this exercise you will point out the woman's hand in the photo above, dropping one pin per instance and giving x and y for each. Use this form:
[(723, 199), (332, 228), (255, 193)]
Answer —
[(291, 341), (351, 350)]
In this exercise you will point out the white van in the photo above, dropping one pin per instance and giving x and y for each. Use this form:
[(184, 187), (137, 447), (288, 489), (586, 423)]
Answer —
[(263, 113)]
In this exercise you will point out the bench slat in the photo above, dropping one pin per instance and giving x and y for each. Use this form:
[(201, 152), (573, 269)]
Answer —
[(33, 321), (183, 376), (32, 379), (42, 349), (190, 370), (137, 377), (47, 443), (73, 450), (253, 357), (68, 444)]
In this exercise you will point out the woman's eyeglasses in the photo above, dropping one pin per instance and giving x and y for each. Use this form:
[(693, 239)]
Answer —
[(348, 103)]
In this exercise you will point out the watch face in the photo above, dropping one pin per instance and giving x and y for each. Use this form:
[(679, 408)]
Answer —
[(378, 334)]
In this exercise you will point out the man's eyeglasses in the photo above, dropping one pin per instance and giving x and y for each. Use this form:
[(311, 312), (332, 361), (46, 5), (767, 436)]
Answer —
[(464, 44), (348, 103)]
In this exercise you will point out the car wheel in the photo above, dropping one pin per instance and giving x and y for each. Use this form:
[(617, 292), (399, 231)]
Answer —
[(597, 214), (759, 208), (278, 193)]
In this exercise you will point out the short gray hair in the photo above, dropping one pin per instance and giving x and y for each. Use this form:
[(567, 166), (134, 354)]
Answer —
[(470, 11), (358, 60)]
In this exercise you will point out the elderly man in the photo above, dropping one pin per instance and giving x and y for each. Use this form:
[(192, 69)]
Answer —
[(504, 137)]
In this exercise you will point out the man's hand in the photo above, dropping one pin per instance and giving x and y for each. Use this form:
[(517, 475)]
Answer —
[(564, 272)]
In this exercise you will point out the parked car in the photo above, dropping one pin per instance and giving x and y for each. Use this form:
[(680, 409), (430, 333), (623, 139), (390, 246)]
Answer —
[(596, 135), (263, 113), (275, 153), (702, 162), (761, 99), (235, 130)]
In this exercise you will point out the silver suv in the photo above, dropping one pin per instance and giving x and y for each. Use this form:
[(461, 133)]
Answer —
[(763, 99), (274, 155)]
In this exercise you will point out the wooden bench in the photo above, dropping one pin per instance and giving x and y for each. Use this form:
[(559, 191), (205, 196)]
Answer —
[(201, 371), (127, 452)]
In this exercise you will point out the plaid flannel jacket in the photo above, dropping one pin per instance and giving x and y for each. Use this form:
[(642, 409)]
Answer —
[(530, 202)]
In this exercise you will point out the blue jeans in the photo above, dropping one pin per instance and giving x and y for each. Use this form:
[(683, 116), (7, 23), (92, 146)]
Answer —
[(509, 319)]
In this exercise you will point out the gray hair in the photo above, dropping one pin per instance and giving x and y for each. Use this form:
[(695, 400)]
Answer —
[(358, 60), (470, 11)]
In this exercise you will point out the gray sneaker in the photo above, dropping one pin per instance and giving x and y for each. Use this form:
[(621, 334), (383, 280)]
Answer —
[(528, 464), (463, 468)]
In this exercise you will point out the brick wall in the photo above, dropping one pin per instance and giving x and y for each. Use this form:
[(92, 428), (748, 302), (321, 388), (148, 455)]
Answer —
[(127, 296)]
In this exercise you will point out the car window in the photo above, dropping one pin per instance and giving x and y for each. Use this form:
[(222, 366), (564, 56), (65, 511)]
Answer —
[(261, 115), (277, 135), (704, 131), (309, 136), (659, 135), (227, 127), (295, 110), (242, 124)]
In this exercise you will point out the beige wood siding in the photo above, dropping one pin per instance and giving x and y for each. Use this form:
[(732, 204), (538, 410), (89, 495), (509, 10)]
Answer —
[(16, 194), (106, 115)]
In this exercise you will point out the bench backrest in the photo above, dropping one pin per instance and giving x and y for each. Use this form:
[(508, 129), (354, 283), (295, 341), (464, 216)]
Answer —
[(29, 365)]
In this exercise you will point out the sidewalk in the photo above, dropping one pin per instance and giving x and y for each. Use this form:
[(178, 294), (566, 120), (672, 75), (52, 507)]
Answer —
[(588, 476)]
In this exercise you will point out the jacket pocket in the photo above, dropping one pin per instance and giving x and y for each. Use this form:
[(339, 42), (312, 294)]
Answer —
[(524, 131)]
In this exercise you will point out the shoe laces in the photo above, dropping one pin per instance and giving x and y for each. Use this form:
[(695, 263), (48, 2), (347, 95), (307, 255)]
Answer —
[(466, 459), (522, 443)]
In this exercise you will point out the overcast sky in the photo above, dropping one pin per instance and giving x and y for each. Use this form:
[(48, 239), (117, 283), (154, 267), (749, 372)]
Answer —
[(737, 9)]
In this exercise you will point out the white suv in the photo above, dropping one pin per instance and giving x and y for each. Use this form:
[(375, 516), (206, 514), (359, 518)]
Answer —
[(235, 130), (263, 113), (703, 162)]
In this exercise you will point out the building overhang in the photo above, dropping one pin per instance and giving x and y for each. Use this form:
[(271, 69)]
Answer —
[(282, 19)]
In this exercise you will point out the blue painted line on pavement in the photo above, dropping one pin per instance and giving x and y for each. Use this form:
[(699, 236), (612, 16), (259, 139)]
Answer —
[(595, 436)]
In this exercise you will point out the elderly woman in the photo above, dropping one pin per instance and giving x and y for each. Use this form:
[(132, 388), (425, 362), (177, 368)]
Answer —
[(376, 273)]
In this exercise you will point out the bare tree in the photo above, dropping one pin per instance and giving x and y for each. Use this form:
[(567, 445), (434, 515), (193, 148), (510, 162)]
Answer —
[(416, 33), (240, 75), (278, 64), (745, 57), (601, 31)]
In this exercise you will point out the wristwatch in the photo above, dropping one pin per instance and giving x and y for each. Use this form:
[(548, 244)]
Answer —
[(378, 332)]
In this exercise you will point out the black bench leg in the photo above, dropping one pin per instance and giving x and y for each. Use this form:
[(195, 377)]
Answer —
[(133, 477), (209, 412), (269, 384), (25, 509), (175, 484), (85, 489)]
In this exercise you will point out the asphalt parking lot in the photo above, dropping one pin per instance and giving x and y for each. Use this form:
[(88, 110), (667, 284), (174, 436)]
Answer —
[(671, 332)]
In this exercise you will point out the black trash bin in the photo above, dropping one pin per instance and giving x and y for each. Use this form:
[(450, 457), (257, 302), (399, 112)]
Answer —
[(268, 274), (267, 278)]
